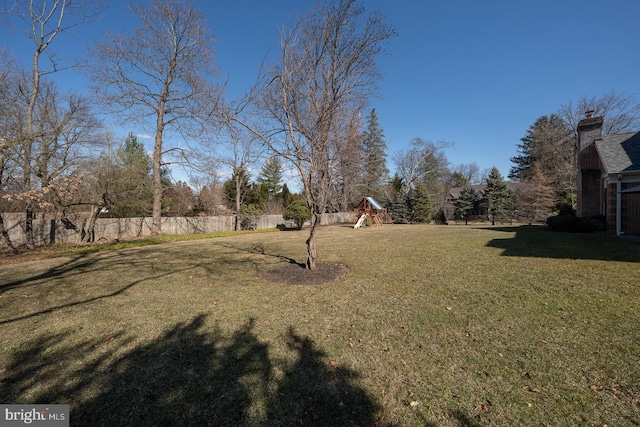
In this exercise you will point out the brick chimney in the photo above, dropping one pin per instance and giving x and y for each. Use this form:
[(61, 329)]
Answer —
[(589, 167), (589, 130)]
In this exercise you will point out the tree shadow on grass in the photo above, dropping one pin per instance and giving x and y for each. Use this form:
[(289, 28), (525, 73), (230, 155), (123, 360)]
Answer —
[(538, 241), (70, 282), (194, 374), (318, 392), (79, 264), (462, 418), (258, 249)]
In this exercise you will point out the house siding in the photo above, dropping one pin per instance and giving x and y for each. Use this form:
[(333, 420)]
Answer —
[(591, 196), (630, 210)]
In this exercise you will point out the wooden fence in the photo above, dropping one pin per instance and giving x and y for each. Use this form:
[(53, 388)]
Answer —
[(53, 230)]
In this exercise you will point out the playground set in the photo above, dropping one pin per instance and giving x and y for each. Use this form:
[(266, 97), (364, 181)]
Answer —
[(371, 210)]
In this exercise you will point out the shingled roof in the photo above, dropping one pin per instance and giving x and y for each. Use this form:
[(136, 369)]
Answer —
[(620, 153)]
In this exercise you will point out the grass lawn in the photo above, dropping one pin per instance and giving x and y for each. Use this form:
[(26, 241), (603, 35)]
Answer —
[(433, 326)]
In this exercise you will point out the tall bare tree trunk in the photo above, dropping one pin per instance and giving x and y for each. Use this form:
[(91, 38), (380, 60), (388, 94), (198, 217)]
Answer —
[(161, 68), (238, 180), (5, 236), (46, 20), (27, 147), (156, 222), (91, 224)]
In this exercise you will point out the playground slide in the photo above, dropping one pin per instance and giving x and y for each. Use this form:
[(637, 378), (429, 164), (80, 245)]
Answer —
[(360, 221)]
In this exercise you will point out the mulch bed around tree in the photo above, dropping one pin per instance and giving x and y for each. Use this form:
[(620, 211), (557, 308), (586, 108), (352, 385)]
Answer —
[(296, 274)]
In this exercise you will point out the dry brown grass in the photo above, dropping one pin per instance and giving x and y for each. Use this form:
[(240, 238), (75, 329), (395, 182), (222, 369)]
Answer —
[(443, 326)]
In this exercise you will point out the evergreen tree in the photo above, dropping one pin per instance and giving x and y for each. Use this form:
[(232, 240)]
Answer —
[(421, 202), (237, 188), (248, 216), (297, 211), (258, 195), (133, 156), (440, 217), (401, 207), (549, 143), (131, 192), (271, 176), (393, 187), (467, 203), (457, 179), (374, 154), (536, 196), (498, 198), (287, 197)]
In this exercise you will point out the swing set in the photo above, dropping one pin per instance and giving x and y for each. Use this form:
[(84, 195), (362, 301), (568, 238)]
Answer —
[(371, 210)]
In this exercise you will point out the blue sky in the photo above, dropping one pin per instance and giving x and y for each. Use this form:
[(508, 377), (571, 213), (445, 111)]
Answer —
[(476, 74)]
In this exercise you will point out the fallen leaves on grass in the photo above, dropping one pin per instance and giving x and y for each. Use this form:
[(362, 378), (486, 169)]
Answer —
[(485, 406)]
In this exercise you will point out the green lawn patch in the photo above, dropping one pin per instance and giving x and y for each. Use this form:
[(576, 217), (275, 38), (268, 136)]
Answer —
[(432, 325)]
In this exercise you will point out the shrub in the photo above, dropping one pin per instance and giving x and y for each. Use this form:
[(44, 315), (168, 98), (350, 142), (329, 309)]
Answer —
[(572, 224), (297, 211), (440, 218), (249, 215)]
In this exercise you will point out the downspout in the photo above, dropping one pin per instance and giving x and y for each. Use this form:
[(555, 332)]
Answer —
[(619, 231)]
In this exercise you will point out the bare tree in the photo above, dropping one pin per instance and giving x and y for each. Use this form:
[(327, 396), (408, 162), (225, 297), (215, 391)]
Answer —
[(46, 20), (424, 162), (349, 172), (68, 132), (621, 111), (243, 152), (326, 73), (8, 93), (211, 197), (161, 71), (65, 134), (466, 173)]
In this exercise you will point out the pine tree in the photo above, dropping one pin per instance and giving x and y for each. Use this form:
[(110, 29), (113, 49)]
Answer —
[(421, 203), (467, 203), (287, 197), (547, 142), (401, 207), (536, 196), (457, 179), (131, 186), (237, 188), (498, 198), (391, 189), (374, 154), (133, 156), (271, 175)]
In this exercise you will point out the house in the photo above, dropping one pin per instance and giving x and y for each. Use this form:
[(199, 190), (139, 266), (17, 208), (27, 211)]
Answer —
[(608, 182), (449, 205)]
